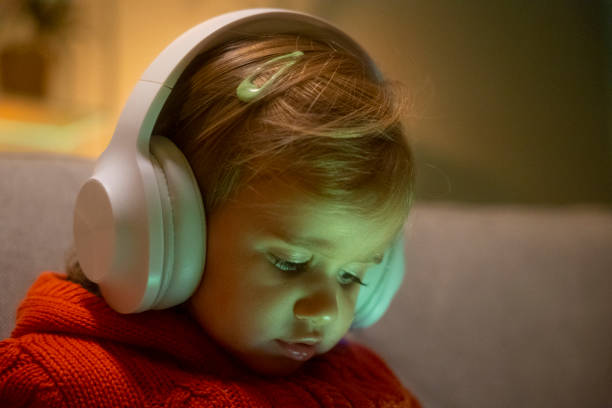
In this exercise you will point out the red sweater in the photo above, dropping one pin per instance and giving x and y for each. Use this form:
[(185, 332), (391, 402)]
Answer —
[(69, 349)]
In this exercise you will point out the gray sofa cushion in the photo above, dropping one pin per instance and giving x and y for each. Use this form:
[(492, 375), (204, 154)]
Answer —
[(37, 193), (501, 306), (504, 306)]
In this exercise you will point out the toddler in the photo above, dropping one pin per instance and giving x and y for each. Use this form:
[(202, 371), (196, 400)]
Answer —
[(292, 144)]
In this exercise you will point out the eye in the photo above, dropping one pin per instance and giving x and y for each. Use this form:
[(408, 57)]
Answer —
[(347, 278), (287, 266)]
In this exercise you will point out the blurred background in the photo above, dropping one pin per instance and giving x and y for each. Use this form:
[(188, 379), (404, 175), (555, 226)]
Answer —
[(507, 294), (511, 99)]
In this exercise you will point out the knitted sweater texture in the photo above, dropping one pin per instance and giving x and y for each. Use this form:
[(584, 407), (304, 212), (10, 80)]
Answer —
[(70, 349)]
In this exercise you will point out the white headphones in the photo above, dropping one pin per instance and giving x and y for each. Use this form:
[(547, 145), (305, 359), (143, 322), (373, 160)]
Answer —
[(139, 221)]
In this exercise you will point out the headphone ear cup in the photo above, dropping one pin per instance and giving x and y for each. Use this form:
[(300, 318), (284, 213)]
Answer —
[(184, 224), (383, 280)]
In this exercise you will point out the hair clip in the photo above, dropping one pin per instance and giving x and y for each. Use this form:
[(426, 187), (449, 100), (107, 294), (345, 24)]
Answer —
[(247, 90)]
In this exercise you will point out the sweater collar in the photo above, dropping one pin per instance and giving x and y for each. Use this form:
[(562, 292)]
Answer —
[(55, 305)]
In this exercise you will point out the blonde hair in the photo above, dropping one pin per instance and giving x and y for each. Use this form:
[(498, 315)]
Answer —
[(327, 126)]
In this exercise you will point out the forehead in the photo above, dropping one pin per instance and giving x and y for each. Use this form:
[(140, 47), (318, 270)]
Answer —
[(284, 211)]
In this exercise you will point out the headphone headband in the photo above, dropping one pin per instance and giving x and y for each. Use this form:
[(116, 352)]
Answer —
[(172, 61), (156, 83)]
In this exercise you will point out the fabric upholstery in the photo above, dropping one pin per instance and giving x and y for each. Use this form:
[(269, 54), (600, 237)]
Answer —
[(501, 306)]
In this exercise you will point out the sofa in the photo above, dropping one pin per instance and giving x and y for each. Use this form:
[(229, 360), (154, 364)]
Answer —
[(501, 305)]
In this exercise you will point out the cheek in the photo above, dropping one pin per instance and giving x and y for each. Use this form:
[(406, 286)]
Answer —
[(349, 301), (221, 310), (239, 302), (350, 297)]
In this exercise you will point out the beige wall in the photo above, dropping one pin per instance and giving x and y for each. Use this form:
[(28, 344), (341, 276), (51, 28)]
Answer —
[(509, 95)]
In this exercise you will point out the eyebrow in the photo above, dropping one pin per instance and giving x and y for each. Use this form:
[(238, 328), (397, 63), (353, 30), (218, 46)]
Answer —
[(323, 243)]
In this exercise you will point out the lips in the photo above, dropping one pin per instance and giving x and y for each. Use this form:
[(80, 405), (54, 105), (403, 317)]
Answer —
[(300, 351)]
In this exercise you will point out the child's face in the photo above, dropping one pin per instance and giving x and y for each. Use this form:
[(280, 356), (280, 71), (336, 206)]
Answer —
[(246, 303)]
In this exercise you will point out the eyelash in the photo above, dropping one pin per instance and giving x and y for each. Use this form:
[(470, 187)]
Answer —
[(287, 266)]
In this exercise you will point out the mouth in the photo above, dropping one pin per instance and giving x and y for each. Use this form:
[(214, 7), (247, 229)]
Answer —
[(301, 351)]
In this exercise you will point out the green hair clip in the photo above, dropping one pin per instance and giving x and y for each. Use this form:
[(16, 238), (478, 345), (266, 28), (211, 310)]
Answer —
[(247, 90)]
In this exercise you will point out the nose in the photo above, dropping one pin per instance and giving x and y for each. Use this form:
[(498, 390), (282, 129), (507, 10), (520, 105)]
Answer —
[(319, 308)]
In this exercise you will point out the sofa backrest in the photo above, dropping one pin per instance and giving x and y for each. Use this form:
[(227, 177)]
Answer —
[(37, 193), (501, 306)]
